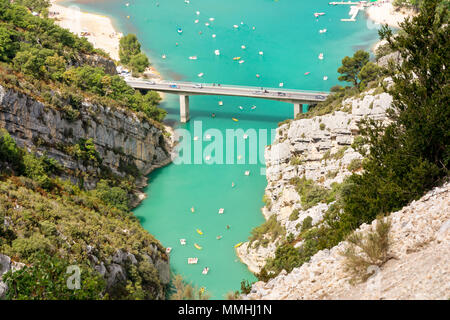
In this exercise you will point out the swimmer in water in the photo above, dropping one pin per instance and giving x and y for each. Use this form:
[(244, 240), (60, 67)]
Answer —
[(213, 115)]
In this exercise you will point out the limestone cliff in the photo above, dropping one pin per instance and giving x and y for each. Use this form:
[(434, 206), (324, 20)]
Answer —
[(318, 149), (120, 137)]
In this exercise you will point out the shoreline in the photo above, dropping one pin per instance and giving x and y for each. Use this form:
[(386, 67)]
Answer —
[(97, 29), (385, 13)]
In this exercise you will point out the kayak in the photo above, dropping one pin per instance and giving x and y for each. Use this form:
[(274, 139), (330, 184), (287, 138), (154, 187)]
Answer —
[(234, 119), (238, 245), (197, 246), (199, 231)]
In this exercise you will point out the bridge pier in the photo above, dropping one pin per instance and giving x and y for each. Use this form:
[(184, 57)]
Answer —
[(298, 107), (184, 108)]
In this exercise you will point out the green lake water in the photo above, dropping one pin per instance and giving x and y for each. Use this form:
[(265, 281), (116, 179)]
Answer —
[(288, 34)]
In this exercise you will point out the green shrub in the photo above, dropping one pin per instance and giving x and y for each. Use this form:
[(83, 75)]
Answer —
[(267, 232), (294, 215), (354, 165)]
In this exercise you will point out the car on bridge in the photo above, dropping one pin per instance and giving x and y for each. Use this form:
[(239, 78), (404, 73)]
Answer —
[(198, 85), (174, 86), (283, 94), (320, 97)]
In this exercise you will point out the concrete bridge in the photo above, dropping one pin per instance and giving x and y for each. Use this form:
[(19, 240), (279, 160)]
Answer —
[(185, 89)]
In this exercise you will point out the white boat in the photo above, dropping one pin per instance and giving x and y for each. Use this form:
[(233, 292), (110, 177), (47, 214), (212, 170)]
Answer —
[(193, 58), (195, 138), (196, 21), (321, 56), (206, 23), (187, 1), (179, 30), (168, 249), (253, 107), (325, 78), (200, 74), (241, 61), (205, 270), (217, 52), (239, 157), (192, 260), (163, 56), (242, 47), (323, 30), (281, 84), (245, 136), (241, 107), (247, 173), (235, 26), (207, 158), (221, 210), (220, 103), (197, 12), (127, 4), (183, 242), (207, 137), (318, 14), (211, 19), (213, 36), (261, 53)]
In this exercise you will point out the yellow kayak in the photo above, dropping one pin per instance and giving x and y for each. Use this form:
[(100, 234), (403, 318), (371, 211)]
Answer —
[(199, 231), (238, 244), (197, 246), (234, 119), (236, 58)]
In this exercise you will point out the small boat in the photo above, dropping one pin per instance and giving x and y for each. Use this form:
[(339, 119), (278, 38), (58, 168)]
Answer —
[(208, 137), (235, 26), (192, 260), (196, 21), (179, 30), (235, 120), (205, 270), (325, 78), (193, 58), (211, 19), (318, 14), (207, 158), (200, 74), (168, 249), (261, 53), (220, 103), (242, 61), (321, 56), (199, 231), (192, 210), (195, 138), (206, 23), (253, 107), (238, 244), (187, 1), (232, 184), (197, 12), (217, 52), (239, 157), (183, 242), (247, 173), (243, 47), (219, 237), (221, 210), (281, 84), (213, 36), (197, 246), (241, 107), (236, 58), (306, 73), (245, 136), (128, 17), (127, 4), (163, 56), (257, 75), (323, 30)]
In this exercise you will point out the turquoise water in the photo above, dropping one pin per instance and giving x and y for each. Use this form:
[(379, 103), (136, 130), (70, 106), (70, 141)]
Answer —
[(288, 34)]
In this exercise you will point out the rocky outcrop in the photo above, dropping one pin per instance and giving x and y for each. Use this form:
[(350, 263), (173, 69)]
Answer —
[(95, 60), (120, 137), (318, 149), (6, 264), (419, 267)]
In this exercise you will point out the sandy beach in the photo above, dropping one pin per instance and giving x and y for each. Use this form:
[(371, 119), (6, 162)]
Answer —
[(384, 12)]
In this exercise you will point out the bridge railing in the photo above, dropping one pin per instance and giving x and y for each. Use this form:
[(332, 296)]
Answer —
[(228, 86)]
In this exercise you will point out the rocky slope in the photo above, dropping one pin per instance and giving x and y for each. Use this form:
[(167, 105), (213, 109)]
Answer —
[(119, 136), (318, 149), (419, 267)]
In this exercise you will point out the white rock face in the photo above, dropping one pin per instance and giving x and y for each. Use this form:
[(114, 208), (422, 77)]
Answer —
[(308, 141), (419, 269)]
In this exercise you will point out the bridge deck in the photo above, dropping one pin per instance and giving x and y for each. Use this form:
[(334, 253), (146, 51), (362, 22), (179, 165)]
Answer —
[(190, 88)]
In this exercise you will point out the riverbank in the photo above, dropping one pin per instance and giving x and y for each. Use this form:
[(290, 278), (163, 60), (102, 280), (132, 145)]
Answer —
[(97, 29), (385, 13)]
